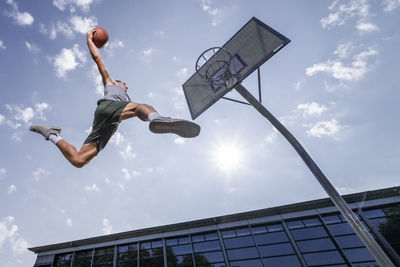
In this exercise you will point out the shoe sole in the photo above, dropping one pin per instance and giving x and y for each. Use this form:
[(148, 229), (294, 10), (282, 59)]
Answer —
[(182, 128)]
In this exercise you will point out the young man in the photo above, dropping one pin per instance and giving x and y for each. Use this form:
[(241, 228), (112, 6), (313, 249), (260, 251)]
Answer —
[(113, 108)]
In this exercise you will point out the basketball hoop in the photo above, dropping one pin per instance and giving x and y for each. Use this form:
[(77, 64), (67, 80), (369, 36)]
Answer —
[(214, 65)]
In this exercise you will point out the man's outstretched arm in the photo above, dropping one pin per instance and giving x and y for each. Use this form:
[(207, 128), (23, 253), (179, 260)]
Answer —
[(95, 53)]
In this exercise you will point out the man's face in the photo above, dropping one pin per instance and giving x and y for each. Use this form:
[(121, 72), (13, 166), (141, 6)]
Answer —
[(123, 85)]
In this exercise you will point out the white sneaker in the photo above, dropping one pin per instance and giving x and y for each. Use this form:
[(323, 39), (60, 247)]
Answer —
[(45, 131)]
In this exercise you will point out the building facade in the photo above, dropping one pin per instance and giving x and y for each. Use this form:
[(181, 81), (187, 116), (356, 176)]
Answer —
[(311, 233)]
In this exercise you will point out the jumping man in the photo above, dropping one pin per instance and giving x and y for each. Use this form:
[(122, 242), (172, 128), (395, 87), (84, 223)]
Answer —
[(113, 108)]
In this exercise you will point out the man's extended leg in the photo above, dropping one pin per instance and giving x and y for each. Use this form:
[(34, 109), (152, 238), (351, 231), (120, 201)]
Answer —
[(158, 123), (76, 158)]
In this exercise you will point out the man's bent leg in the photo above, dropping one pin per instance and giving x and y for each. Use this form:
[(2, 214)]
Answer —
[(132, 109), (158, 123), (77, 158)]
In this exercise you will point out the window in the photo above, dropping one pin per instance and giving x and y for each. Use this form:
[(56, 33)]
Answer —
[(271, 238), (353, 248), (179, 252), (83, 258), (151, 253), (208, 251), (103, 257), (349, 241), (63, 260), (291, 261), (239, 242), (242, 253), (308, 233), (127, 255), (273, 243), (387, 222), (315, 245), (48, 260), (240, 246), (340, 229), (358, 254), (248, 263), (321, 258), (276, 250)]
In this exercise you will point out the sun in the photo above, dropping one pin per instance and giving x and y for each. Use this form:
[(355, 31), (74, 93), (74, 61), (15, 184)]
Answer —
[(228, 156)]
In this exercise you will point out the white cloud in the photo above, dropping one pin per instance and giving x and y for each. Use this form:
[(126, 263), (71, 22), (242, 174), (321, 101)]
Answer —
[(126, 174), (366, 27), (21, 18), (82, 25), (117, 139), (148, 52), (31, 47), (63, 28), (2, 46), (343, 50), (127, 153), (338, 70), (96, 79), (178, 98), (298, 85), (269, 139), (159, 33), (179, 141), (390, 5), (84, 5), (330, 128), (60, 4), (311, 109), (216, 14), (24, 114), (107, 228), (19, 245), (39, 108), (11, 189), (66, 60), (93, 187), (39, 173), (68, 222), (136, 173), (21, 114), (3, 173), (17, 136), (182, 74), (76, 24), (111, 47), (9, 231), (145, 55), (341, 13)]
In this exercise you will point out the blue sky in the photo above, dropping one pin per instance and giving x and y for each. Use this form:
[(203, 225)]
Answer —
[(335, 87)]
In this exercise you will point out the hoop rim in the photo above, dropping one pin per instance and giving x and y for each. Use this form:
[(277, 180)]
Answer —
[(198, 67)]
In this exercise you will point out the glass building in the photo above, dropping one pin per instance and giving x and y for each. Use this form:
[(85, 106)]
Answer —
[(311, 233)]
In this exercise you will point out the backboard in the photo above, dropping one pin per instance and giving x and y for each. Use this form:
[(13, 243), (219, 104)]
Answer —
[(250, 47)]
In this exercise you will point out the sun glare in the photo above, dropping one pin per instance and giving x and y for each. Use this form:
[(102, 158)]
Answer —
[(228, 157)]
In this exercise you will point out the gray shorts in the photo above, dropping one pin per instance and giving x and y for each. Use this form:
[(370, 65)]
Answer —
[(105, 123)]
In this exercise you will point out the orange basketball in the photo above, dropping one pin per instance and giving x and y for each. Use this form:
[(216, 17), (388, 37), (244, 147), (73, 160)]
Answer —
[(100, 37)]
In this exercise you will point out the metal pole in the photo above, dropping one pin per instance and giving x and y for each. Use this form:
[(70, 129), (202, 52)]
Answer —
[(354, 222), (259, 85)]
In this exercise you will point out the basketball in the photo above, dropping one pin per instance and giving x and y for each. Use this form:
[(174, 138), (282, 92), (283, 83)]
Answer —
[(100, 37)]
